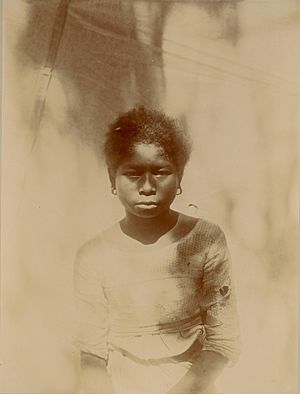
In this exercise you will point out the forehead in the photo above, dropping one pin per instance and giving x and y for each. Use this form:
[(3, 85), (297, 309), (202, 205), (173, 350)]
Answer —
[(147, 154)]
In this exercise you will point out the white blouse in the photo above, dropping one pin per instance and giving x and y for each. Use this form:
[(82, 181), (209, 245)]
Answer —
[(150, 309)]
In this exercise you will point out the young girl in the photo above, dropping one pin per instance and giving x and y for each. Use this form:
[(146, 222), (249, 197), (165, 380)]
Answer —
[(157, 310)]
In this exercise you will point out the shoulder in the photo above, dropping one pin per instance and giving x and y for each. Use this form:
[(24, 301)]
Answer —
[(207, 230), (98, 243), (88, 257), (202, 236), (213, 231), (91, 247), (91, 253)]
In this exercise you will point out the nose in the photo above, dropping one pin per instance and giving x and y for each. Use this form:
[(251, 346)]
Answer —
[(147, 185)]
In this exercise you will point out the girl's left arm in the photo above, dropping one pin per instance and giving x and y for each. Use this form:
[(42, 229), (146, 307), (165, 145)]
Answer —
[(221, 345)]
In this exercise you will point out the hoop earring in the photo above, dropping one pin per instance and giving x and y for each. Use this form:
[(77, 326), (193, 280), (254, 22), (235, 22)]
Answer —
[(114, 191), (179, 190)]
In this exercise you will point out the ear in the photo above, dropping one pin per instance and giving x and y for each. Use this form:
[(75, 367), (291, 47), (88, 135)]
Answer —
[(112, 177), (180, 175)]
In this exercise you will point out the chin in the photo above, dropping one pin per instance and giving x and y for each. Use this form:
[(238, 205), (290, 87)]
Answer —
[(147, 213)]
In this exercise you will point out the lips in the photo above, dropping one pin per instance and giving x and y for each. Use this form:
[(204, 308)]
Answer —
[(147, 203)]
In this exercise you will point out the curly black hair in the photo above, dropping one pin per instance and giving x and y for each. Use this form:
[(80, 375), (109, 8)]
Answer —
[(142, 125)]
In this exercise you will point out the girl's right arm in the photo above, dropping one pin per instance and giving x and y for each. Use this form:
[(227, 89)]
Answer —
[(94, 375), (92, 311)]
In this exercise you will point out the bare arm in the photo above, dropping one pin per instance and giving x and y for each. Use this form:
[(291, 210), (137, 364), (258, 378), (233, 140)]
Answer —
[(201, 375), (95, 377)]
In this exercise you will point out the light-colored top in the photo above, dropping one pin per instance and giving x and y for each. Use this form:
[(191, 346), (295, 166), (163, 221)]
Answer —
[(155, 305)]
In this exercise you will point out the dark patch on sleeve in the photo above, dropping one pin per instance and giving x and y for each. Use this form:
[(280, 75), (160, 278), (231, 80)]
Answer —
[(224, 291)]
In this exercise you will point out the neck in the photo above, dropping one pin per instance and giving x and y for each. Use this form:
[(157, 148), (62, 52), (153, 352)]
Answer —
[(148, 230)]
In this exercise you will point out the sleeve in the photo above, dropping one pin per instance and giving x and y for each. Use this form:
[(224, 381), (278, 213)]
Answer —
[(220, 314), (91, 306)]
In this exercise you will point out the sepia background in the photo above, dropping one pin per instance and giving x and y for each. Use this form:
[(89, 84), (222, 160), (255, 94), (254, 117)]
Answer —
[(229, 70)]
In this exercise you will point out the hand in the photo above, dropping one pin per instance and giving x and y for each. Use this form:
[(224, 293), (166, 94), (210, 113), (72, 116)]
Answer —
[(201, 376), (187, 386), (179, 390)]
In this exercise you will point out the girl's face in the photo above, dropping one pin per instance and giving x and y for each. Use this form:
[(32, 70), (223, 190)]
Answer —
[(146, 182)]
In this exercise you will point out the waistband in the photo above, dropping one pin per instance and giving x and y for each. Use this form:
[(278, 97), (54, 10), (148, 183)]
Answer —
[(188, 356), (164, 328)]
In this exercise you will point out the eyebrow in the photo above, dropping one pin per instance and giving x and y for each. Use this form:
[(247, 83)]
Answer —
[(142, 167)]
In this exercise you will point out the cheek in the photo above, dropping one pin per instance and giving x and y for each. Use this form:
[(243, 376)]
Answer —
[(124, 188), (170, 188)]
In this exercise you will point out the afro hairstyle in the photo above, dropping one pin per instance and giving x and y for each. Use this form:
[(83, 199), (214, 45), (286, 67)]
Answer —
[(147, 126)]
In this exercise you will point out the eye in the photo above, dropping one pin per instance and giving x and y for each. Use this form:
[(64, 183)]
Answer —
[(162, 172), (132, 173)]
